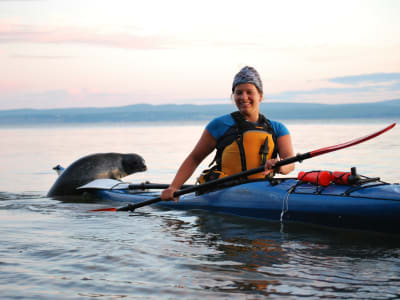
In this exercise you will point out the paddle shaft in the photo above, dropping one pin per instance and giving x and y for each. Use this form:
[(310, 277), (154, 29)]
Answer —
[(297, 158), (145, 186)]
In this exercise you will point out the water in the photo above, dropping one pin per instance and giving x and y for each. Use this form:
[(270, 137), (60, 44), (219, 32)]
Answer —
[(57, 250)]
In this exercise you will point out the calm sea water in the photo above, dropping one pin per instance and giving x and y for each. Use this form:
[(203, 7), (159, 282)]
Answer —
[(57, 250)]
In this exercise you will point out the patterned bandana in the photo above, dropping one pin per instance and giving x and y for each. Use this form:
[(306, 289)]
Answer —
[(248, 75)]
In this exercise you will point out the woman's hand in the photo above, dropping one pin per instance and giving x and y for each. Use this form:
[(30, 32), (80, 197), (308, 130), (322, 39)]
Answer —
[(168, 194), (285, 151), (270, 166)]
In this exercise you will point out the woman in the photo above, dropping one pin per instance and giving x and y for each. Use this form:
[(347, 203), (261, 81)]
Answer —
[(244, 139)]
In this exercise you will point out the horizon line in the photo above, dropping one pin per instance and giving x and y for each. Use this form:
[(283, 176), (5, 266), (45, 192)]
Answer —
[(198, 104)]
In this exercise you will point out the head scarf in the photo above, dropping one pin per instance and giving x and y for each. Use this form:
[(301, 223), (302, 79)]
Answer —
[(248, 75)]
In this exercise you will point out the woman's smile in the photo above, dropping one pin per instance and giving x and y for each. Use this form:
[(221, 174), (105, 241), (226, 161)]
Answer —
[(247, 99)]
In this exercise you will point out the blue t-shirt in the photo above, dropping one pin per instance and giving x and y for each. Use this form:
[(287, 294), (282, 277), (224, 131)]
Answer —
[(220, 125)]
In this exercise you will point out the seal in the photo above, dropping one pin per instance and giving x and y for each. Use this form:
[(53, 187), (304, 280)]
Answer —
[(96, 166)]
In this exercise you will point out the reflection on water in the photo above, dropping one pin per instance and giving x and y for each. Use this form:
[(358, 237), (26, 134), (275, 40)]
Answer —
[(260, 258)]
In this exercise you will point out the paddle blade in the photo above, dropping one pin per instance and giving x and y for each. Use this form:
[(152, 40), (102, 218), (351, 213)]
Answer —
[(350, 143), (103, 209)]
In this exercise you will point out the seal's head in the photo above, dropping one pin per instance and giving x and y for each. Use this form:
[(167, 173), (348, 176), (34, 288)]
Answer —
[(132, 163)]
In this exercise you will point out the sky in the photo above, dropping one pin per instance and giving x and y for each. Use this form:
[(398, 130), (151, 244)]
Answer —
[(98, 53)]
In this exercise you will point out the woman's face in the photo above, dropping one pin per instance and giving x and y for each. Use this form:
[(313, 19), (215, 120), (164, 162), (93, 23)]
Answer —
[(247, 99)]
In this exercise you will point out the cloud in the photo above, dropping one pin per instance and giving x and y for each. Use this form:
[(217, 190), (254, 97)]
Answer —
[(21, 33), (367, 78), (331, 91), (19, 56), (355, 88), (127, 37)]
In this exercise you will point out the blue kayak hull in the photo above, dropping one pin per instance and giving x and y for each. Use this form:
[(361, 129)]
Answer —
[(372, 206)]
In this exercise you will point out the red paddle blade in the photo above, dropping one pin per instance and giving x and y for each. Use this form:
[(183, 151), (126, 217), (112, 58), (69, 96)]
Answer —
[(350, 143), (103, 209)]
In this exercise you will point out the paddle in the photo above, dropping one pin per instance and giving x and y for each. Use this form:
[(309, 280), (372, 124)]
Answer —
[(155, 186), (213, 183)]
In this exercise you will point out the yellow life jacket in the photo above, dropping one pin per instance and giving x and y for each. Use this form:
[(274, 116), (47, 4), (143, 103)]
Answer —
[(244, 146)]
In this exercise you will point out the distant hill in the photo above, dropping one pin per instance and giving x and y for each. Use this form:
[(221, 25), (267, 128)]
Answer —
[(172, 113)]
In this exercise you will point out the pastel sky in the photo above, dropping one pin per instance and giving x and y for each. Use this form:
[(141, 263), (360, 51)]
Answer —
[(82, 53)]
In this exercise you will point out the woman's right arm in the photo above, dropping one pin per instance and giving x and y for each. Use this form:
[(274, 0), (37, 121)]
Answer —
[(204, 147)]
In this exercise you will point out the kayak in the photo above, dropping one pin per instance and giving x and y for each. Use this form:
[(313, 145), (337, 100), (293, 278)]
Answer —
[(335, 199), (370, 204)]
